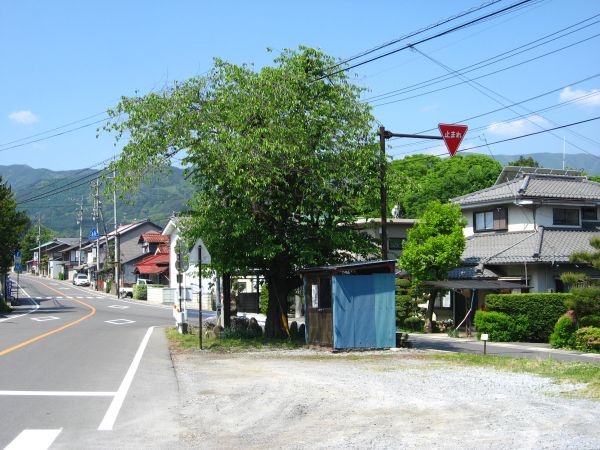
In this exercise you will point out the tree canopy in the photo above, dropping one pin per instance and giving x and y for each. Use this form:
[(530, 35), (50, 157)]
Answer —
[(12, 227), (524, 162), (419, 179), (434, 247), (279, 158)]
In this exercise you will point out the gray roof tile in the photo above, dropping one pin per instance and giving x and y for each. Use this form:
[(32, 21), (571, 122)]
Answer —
[(536, 186)]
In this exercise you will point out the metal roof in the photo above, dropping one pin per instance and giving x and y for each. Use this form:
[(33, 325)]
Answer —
[(358, 266), (475, 284)]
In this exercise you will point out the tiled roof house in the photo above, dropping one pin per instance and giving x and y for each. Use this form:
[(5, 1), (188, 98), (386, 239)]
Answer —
[(525, 227)]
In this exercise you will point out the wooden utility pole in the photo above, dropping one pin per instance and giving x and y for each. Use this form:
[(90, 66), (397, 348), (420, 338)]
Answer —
[(383, 193), (117, 257)]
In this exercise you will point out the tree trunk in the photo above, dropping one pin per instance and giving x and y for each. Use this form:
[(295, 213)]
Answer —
[(276, 325), (429, 314)]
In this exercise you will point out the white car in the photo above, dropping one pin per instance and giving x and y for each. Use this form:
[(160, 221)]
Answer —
[(81, 279)]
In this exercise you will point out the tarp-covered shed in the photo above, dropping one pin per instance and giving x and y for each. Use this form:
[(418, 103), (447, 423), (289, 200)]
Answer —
[(351, 305)]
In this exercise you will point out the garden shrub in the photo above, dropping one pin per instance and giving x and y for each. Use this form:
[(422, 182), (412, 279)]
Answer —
[(406, 306), (563, 335), (264, 299), (414, 323), (61, 276), (501, 327), (541, 309), (589, 321), (585, 301), (587, 339), (140, 292), (109, 285)]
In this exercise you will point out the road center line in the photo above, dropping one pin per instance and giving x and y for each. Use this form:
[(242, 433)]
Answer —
[(56, 330), (56, 394), (115, 406), (33, 440)]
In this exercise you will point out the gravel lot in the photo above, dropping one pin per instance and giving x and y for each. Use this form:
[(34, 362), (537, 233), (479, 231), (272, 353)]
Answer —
[(311, 399)]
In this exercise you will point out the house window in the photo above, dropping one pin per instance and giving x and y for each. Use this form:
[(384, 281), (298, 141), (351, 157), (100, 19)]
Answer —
[(145, 248), (493, 219), (565, 216), (589, 213), (395, 243)]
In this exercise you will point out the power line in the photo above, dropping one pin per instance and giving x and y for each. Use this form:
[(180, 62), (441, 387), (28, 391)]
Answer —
[(413, 33), (435, 36), (484, 75), (486, 62)]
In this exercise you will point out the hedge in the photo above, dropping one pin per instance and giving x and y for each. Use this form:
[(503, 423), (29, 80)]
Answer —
[(140, 292), (542, 311), (501, 327), (589, 321)]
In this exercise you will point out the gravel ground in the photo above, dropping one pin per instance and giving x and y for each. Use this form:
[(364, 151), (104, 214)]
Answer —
[(310, 399)]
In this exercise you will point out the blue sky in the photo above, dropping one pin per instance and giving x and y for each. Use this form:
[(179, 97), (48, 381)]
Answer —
[(67, 62)]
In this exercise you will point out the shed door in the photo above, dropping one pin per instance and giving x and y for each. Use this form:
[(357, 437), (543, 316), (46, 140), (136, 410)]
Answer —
[(364, 311)]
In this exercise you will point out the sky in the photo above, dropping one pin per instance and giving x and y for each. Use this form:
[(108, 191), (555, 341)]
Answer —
[(64, 63)]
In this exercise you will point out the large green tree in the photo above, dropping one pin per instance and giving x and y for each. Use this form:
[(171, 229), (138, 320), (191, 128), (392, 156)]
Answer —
[(13, 224), (434, 246), (278, 156), (417, 180), (524, 162)]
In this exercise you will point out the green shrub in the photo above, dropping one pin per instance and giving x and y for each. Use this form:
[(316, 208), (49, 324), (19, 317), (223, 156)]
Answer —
[(541, 309), (109, 285), (61, 276), (406, 305), (501, 327), (414, 323), (563, 335), (140, 292), (589, 321), (585, 301), (587, 339)]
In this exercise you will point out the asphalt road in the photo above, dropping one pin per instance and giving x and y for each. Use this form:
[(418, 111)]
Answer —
[(79, 369), (515, 350)]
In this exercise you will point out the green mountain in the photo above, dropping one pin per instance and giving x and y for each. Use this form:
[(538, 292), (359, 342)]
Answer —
[(55, 197)]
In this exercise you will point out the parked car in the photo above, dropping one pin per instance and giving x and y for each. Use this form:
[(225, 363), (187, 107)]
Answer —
[(81, 279)]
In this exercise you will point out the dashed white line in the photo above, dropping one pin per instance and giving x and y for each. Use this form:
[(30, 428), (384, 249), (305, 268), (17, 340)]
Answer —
[(45, 319), (57, 394), (119, 306), (33, 440), (120, 321)]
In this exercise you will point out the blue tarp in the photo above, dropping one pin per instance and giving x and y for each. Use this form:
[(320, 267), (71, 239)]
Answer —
[(364, 311)]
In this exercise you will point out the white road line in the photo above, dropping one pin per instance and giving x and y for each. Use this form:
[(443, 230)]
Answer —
[(35, 304), (115, 406), (120, 321), (119, 306), (70, 298), (57, 394), (45, 319), (33, 440)]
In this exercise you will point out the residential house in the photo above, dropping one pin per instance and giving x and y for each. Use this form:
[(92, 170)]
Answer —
[(520, 233), (52, 251), (190, 280), (155, 265), (73, 260), (397, 232), (130, 253)]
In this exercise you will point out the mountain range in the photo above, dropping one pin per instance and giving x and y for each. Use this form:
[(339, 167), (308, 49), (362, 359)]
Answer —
[(54, 196)]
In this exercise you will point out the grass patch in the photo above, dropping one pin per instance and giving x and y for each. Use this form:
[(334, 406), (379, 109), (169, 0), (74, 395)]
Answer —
[(230, 345), (559, 371)]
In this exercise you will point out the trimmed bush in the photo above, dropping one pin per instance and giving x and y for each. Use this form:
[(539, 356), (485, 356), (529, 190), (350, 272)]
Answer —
[(140, 292), (587, 339), (563, 335), (61, 276), (500, 326), (589, 321), (542, 311), (414, 323)]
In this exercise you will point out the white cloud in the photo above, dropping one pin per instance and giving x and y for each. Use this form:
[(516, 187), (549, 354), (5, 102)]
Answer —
[(587, 98), (23, 117), (517, 127)]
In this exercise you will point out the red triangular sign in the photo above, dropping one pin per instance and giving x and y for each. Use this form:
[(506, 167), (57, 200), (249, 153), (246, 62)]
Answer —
[(453, 136)]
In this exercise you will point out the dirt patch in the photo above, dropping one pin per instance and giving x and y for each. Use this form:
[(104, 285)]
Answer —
[(301, 399)]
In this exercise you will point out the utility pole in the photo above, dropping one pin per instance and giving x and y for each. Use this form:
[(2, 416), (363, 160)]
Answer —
[(383, 193), (117, 257), (95, 216), (80, 223), (39, 253)]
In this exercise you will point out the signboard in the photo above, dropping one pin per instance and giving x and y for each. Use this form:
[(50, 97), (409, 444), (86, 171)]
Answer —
[(94, 235), (453, 136), (18, 268), (17, 257)]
